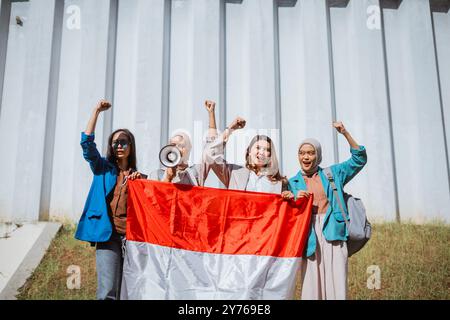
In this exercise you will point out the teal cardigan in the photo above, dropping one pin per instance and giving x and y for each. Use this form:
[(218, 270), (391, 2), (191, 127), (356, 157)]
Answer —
[(334, 225)]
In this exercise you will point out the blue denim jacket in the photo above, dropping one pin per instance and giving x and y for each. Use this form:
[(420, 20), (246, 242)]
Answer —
[(95, 224), (334, 225)]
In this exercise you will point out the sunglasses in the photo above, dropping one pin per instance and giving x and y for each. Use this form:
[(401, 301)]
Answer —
[(122, 142)]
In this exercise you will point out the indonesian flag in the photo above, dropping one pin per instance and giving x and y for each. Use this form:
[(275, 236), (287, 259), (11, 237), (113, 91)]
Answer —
[(189, 243)]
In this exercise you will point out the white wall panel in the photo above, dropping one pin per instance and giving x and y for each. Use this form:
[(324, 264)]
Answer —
[(194, 69), (251, 73), (139, 76), (442, 32), (4, 27), (81, 84), (362, 101), (195, 45), (287, 70), (24, 105), (416, 112), (306, 102)]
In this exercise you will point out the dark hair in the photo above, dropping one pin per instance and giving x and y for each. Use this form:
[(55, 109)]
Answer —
[(274, 178), (132, 162)]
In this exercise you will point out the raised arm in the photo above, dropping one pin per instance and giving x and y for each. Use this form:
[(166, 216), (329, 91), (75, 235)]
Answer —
[(237, 124), (349, 169), (101, 106), (90, 152), (212, 127), (339, 126), (214, 153)]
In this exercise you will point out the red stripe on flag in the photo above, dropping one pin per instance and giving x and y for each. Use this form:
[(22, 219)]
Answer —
[(216, 220)]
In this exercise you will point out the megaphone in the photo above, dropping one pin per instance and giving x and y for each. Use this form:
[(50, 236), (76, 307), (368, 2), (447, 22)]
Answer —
[(170, 156)]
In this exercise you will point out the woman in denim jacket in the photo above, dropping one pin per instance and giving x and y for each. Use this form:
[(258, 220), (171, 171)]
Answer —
[(103, 222)]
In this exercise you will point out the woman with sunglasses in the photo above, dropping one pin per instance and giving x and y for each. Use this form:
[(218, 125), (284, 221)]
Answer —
[(103, 222)]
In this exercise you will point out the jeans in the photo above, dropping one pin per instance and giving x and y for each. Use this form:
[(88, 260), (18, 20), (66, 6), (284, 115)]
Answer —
[(109, 264)]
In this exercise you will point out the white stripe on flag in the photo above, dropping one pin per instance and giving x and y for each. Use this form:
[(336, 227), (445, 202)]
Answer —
[(158, 272)]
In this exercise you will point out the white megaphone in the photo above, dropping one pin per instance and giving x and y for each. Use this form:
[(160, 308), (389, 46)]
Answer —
[(170, 156)]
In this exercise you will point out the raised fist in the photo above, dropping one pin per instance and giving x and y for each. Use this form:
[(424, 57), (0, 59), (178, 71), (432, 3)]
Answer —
[(103, 105), (238, 123), (339, 126), (210, 105)]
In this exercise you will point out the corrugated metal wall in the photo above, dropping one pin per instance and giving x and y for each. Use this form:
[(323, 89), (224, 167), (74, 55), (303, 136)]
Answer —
[(289, 67)]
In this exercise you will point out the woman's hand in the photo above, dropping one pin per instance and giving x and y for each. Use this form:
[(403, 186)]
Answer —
[(170, 174), (210, 106), (339, 126), (135, 175), (287, 195), (102, 105), (238, 123), (212, 131), (303, 194)]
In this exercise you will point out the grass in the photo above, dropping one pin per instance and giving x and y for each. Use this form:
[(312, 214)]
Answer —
[(49, 280), (414, 261)]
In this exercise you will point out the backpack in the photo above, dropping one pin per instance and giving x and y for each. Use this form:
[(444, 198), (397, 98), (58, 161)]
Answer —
[(359, 228)]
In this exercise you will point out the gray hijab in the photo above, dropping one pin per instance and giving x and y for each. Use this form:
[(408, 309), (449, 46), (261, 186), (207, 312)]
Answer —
[(316, 145)]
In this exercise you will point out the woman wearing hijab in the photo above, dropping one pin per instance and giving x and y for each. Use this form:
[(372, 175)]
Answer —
[(182, 173), (260, 173), (324, 269), (194, 175)]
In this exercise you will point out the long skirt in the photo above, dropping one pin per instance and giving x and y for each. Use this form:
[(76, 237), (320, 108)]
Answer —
[(324, 275)]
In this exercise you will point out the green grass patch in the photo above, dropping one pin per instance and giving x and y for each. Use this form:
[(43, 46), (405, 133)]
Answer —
[(49, 280), (414, 261)]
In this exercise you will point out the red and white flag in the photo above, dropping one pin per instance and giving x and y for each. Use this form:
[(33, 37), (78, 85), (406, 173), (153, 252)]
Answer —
[(189, 243)]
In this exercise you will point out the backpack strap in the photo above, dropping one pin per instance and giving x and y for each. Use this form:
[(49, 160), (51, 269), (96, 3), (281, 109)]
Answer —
[(330, 178)]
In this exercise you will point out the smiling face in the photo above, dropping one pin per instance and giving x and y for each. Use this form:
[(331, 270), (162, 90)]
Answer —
[(260, 154), (307, 157), (121, 145)]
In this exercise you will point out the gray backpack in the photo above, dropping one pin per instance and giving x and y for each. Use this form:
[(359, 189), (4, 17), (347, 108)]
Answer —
[(359, 228)]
